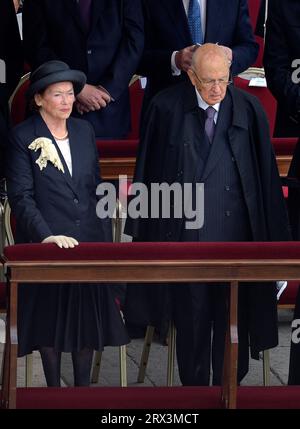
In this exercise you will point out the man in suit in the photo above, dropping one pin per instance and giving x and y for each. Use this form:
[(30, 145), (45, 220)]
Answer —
[(102, 38), (170, 42), (227, 148), (11, 54), (281, 62)]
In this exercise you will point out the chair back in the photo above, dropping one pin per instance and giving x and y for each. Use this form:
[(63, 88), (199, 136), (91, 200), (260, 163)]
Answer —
[(254, 6), (9, 225), (4, 209), (136, 94), (18, 101), (289, 296), (264, 95)]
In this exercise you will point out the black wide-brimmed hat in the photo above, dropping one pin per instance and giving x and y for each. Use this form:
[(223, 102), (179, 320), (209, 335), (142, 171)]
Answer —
[(52, 72)]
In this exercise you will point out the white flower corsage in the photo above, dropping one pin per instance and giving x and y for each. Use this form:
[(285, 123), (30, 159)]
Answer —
[(48, 153)]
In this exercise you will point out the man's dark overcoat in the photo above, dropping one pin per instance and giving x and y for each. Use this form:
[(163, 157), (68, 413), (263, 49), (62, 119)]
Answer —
[(167, 154)]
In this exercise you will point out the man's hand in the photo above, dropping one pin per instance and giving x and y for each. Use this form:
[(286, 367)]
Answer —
[(91, 98), (61, 241), (81, 108), (183, 58), (228, 52), (16, 5)]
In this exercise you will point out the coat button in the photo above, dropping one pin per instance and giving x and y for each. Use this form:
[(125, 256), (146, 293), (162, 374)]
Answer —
[(76, 201), (227, 213), (227, 188), (89, 51), (77, 222), (233, 159)]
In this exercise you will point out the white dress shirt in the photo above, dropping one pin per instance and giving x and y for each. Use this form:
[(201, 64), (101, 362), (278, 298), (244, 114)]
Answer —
[(203, 3), (64, 147)]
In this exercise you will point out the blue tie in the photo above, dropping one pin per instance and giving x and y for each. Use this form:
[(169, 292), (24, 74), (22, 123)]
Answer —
[(194, 19)]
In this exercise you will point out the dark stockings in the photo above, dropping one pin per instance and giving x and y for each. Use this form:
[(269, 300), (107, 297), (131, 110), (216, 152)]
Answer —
[(82, 363), (51, 364)]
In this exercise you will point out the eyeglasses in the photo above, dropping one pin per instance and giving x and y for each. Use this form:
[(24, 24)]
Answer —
[(210, 83)]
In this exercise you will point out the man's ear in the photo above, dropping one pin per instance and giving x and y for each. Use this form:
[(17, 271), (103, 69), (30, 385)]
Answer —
[(191, 76)]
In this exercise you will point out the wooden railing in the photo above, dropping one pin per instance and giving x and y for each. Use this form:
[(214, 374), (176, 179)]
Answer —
[(112, 168), (147, 262), (122, 161)]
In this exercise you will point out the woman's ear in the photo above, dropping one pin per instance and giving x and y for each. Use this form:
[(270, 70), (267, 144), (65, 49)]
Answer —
[(38, 100)]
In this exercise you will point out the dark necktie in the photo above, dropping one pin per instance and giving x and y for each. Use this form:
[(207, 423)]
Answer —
[(194, 19), (85, 12), (210, 123)]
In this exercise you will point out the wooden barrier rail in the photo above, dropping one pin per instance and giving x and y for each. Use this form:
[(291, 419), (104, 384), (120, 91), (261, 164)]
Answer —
[(147, 262), (118, 157), (112, 168)]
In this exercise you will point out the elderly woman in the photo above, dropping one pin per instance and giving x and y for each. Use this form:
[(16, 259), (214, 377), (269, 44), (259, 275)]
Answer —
[(52, 175)]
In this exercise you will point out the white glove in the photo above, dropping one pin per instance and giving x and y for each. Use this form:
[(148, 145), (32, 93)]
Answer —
[(61, 241)]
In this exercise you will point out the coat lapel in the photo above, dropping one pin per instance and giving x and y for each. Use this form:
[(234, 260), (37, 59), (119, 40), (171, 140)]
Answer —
[(176, 11), (235, 132), (98, 8), (191, 135), (76, 152), (72, 6), (41, 130), (239, 128)]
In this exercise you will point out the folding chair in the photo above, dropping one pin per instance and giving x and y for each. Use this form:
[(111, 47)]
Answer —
[(286, 301), (9, 229), (117, 231)]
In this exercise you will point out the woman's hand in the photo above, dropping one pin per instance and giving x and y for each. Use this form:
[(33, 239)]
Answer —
[(61, 241)]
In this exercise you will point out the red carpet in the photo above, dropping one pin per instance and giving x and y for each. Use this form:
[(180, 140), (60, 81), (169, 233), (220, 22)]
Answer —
[(282, 397), (119, 398)]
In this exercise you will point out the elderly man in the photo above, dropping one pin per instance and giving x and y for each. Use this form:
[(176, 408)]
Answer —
[(205, 131)]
